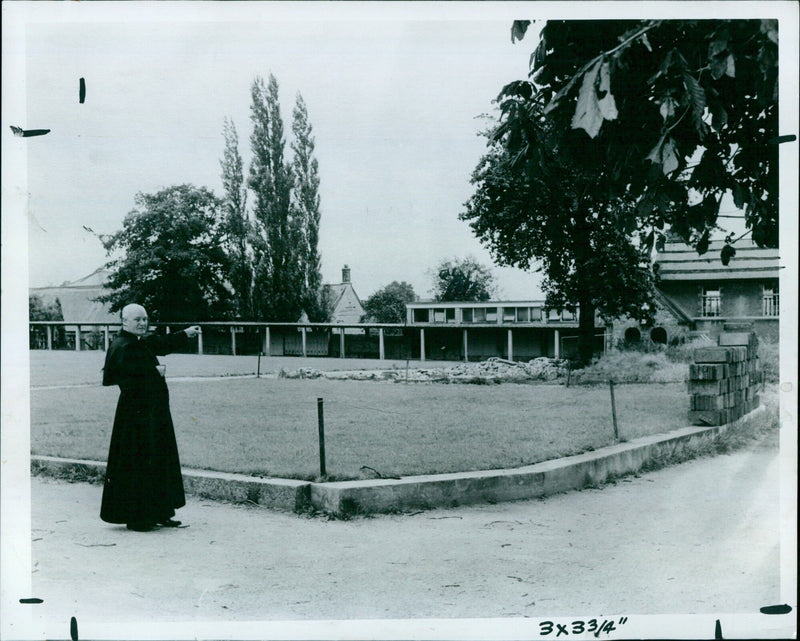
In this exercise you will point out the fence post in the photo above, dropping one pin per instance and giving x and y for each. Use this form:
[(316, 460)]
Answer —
[(233, 340), (49, 337), (267, 341), (613, 408), (200, 343), (105, 337), (510, 345), (321, 429), (421, 344), (381, 349), (466, 343), (77, 338), (303, 332), (341, 343)]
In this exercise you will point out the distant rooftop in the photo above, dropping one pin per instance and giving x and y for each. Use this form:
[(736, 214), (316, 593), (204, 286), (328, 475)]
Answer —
[(481, 303), (681, 262), (76, 298)]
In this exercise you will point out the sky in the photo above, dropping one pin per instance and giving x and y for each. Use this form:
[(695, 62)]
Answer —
[(394, 94), (394, 105)]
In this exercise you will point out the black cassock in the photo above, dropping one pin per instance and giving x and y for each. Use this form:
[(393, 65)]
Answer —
[(143, 482)]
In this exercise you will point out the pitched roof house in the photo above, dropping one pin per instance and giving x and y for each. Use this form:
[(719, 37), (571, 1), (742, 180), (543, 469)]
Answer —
[(347, 307), (698, 294)]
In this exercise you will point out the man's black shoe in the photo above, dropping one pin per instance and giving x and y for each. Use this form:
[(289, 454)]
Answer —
[(141, 527), (169, 523)]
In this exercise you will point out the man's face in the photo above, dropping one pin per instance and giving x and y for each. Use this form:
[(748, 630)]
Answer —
[(134, 320)]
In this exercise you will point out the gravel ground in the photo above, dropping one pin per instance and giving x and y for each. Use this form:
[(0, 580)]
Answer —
[(701, 537)]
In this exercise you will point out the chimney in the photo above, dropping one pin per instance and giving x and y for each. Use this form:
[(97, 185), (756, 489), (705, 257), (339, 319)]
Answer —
[(345, 274)]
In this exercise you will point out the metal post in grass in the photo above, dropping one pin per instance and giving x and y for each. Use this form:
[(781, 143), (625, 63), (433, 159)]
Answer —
[(321, 422), (258, 370), (613, 408)]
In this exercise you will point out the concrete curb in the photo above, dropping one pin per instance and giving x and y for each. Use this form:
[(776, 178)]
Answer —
[(363, 497), (276, 493)]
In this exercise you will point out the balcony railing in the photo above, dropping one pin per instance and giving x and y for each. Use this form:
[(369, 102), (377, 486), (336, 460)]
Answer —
[(770, 305), (711, 306)]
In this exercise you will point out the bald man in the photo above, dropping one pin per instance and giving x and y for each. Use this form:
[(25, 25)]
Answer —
[(143, 482)]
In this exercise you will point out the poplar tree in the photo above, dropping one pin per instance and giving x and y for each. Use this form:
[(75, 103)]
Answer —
[(237, 224), (306, 204), (278, 285)]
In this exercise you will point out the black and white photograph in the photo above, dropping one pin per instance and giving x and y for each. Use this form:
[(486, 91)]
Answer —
[(398, 320)]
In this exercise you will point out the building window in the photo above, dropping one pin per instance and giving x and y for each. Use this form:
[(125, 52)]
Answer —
[(711, 302), (466, 315), (509, 314), (438, 315), (480, 314), (523, 314), (536, 313), (491, 314), (420, 315), (567, 315), (770, 301), (450, 315), (658, 335)]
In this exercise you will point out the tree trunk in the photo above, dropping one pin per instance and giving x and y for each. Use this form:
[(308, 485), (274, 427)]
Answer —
[(586, 329)]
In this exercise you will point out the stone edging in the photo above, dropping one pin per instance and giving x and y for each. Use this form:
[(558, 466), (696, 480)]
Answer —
[(347, 498)]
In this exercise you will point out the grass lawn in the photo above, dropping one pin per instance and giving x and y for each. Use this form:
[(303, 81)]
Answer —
[(74, 368), (269, 426)]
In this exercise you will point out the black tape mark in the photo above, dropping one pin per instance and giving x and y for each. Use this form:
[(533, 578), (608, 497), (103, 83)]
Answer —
[(27, 133), (73, 629), (777, 140), (82, 91), (32, 600), (718, 630), (776, 609)]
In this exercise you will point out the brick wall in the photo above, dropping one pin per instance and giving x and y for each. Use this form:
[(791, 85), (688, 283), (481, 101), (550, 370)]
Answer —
[(723, 380)]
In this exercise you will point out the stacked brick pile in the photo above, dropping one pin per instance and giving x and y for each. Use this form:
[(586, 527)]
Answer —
[(723, 381)]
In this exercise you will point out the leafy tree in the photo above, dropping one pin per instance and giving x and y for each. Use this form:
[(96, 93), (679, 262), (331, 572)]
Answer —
[(583, 247), (462, 280), (39, 310), (278, 235), (388, 305), (626, 129), (306, 205), (172, 259), (325, 305), (673, 113), (237, 225)]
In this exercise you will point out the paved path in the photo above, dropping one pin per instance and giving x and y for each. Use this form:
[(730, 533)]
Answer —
[(701, 537)]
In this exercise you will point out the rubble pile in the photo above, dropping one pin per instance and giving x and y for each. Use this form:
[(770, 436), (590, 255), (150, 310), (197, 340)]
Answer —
[(303, 372), (492, 370), (501, 370)]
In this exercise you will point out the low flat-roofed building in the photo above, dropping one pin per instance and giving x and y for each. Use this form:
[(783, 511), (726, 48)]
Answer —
[(517, 330)]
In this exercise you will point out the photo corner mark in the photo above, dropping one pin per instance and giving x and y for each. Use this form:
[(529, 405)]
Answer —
[(28, 133)]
